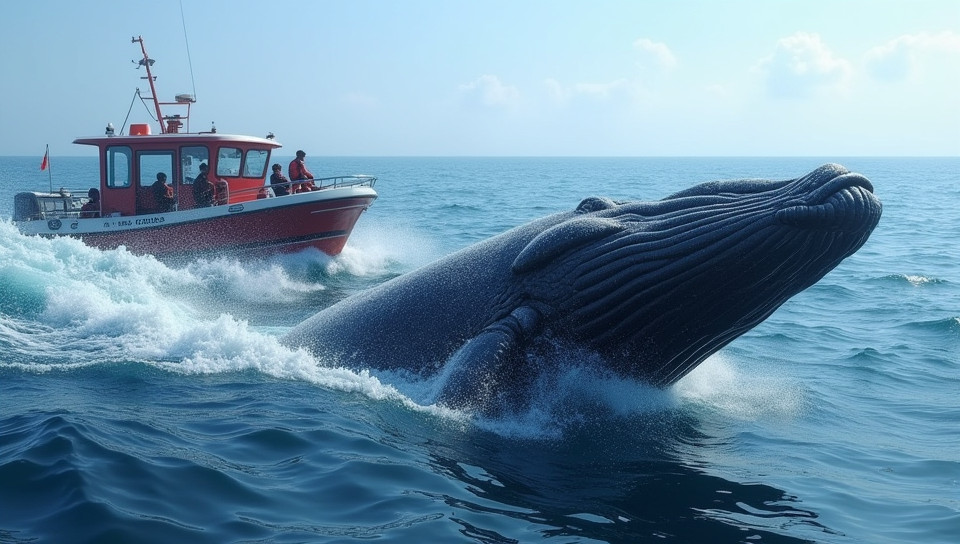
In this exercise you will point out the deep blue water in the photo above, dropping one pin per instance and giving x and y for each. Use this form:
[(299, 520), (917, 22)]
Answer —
[(144, 402)]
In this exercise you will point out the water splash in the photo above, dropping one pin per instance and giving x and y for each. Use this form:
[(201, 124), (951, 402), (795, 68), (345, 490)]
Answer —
[(720, 384)]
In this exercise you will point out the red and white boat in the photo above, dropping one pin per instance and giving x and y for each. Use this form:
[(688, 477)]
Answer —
[(246, 219)]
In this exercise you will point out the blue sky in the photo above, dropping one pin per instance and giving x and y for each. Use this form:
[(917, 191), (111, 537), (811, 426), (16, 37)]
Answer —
[(450, 77)]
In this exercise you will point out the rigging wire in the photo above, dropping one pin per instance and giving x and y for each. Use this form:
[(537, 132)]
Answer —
[(136, 94), (146, 107), (183, 20)]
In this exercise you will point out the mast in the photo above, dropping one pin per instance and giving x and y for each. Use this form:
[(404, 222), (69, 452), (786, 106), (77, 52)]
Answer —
[(170, 124), (147, 62)]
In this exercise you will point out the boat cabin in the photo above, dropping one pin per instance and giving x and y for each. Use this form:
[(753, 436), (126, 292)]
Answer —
[(129, 166)]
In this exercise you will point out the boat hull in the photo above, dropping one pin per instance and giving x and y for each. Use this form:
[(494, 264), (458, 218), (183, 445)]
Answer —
[(321, 220)]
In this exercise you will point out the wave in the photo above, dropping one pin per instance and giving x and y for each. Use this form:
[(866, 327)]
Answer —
[(64, 306), (222, 347), (916, 280), (949, 325), (577, 393), (68, 307), (579, 396), (460, 208), (35, 272)]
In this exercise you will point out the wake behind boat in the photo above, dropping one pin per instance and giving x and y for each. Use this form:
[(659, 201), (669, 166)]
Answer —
[(243, 213)]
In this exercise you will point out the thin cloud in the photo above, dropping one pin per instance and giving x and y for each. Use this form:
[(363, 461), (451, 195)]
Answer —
[(802, 65), (652, 54), (561, 94), (657, 51), (899, 58), (489, 91)]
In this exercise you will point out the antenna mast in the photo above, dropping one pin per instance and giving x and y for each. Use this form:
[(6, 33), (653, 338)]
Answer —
[(147, 62), (172, 123)]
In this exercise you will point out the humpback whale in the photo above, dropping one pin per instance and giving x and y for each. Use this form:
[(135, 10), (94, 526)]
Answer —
[(652, 288)]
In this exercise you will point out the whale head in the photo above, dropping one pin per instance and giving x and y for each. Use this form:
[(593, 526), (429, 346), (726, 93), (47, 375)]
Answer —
[(657, 287)]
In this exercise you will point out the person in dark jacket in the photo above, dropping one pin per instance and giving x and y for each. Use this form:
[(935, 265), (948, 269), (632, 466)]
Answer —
[(163, 193), (92, 208), (203, 188), (279, 182)]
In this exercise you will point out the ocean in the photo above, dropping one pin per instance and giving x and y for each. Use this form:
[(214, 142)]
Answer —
[(150, 402)]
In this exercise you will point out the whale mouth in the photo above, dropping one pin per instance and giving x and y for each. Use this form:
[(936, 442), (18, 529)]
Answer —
[(845, 202)]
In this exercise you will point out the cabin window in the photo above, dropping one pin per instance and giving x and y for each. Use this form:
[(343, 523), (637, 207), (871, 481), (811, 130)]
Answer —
[(118, 166), (154, 162), (228, 162), (256, 164), (190, 160)]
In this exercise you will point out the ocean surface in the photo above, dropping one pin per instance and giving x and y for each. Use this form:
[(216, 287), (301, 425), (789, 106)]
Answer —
[(152, 403)]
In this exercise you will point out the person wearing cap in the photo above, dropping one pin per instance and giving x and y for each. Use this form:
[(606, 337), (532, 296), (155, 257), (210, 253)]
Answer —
[(298, 172)]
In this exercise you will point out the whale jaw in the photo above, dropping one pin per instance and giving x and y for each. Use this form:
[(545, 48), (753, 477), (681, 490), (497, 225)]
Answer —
[(846, 203)]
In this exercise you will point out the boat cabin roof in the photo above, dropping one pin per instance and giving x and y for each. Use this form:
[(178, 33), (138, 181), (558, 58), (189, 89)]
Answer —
[(179, 138)]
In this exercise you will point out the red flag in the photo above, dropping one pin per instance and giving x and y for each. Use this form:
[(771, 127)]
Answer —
[(46, 160)]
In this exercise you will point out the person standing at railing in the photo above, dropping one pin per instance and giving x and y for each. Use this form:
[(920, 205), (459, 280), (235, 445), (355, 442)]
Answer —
[(299, 173)]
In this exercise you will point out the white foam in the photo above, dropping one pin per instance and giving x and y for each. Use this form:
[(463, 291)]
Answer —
[(917, 280), (112, 307), (376, 243), (723, 385), (576, 391)]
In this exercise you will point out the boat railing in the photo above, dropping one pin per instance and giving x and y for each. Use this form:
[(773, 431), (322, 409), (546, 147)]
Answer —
[(345, 181), (66, 203), (333, 182)]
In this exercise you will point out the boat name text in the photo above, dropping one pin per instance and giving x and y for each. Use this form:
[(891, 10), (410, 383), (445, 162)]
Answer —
[(119, 223)]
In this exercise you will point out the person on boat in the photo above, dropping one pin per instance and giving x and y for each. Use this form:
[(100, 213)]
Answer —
[(279, 182), (163, 193), (203, 189), (92, 208), (298, 172)]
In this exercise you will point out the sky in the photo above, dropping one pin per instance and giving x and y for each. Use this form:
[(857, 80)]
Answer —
[(825, 78)]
